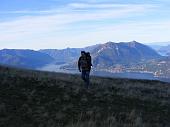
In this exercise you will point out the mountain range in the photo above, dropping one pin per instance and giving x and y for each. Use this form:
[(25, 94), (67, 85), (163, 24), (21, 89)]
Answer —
[(67, 55), (162, 49), (63, 55), (24, 58), (109, 57), (111, 53), (106, 54)]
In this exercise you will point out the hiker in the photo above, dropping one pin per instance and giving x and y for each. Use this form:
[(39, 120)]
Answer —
[(84, 66), (88, 56)]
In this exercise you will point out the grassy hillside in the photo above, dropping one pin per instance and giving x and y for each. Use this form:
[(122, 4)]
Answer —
[(42, 99)]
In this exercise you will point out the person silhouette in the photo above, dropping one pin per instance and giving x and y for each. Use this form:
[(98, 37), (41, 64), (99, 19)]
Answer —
[(84, 66)]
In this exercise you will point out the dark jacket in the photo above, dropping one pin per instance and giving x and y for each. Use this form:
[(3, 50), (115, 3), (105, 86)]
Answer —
[(84, 63)]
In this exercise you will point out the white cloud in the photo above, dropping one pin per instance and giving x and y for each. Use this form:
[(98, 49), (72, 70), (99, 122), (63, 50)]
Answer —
[(141, 31), (29, 12), (47, 22), (61, 26), (108, 6)]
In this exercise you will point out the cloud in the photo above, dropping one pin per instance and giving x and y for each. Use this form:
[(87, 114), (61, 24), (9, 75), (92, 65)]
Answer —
[(27, 23), (141, 31), (81, 6), (65, 23), (108, 6), (29, 12)]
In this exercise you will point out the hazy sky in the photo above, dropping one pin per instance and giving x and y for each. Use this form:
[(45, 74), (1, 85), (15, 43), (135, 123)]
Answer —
[(39, 24)]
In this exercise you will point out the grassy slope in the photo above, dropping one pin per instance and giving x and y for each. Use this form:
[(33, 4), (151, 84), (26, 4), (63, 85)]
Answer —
[(43, 99)]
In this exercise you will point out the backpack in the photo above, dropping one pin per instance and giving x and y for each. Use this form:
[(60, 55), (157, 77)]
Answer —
[(88, 58), (85, 62)]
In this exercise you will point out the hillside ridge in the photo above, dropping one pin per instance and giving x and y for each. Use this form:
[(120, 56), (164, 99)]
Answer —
[(24, 58)]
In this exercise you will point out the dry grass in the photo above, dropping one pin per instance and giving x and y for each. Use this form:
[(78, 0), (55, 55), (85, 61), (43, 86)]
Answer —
[(42, 99)]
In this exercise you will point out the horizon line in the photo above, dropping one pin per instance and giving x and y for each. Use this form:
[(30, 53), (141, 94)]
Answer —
[(149, 43)]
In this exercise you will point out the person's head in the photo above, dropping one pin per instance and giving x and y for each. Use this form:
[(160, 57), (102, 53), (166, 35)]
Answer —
[(83, 53), (88, 53)]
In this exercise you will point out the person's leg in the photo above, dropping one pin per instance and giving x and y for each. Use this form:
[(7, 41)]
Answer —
[(87, 79), (83, 75)]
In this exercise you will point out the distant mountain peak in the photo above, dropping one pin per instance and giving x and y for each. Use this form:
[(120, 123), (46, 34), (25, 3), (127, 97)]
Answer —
[(133, 41), (109, 43), (112, 53)]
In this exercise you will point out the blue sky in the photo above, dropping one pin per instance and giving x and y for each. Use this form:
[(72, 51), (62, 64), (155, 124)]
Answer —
[(39, 24)]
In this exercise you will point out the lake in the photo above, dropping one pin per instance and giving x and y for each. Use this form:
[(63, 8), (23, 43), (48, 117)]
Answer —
[(131, 75)]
